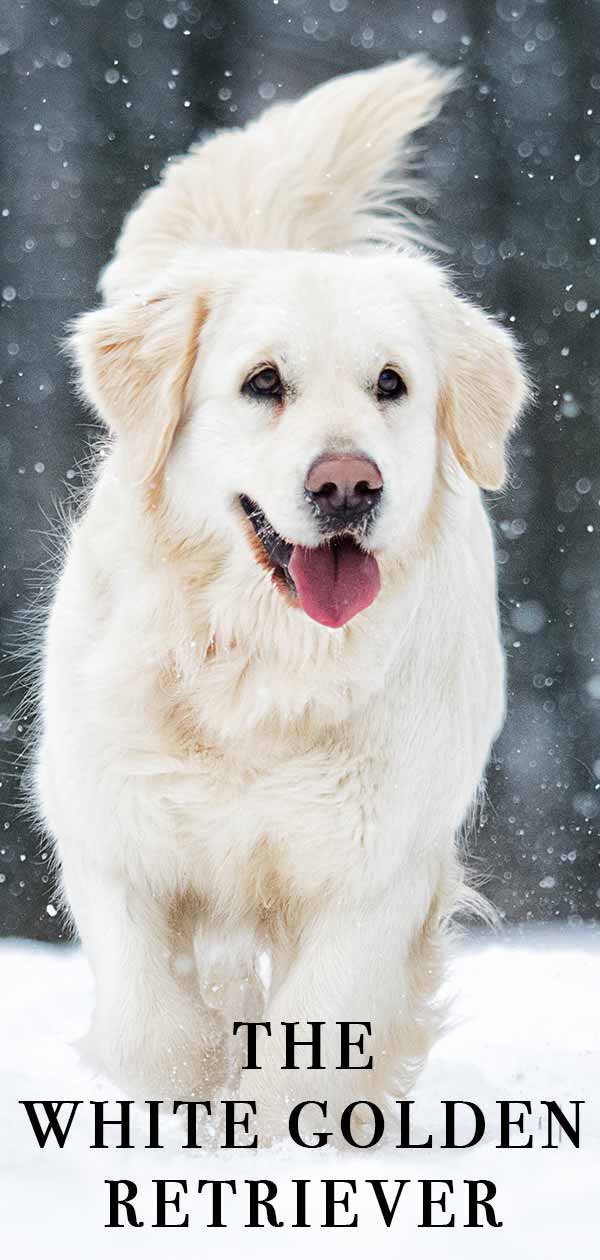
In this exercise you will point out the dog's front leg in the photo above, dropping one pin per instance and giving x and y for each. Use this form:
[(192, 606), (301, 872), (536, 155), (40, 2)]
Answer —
[(374, 963), (150, 1031)]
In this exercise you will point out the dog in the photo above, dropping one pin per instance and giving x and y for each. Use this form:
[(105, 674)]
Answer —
[(272, 671)]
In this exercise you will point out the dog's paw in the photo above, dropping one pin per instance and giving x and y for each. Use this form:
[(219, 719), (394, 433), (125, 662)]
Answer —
[(160, 1058)]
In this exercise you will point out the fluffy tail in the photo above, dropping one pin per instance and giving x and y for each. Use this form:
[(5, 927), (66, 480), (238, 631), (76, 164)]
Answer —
[(308, 175)]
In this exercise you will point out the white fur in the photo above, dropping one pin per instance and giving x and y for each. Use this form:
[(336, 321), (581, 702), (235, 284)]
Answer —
[(222, 775)]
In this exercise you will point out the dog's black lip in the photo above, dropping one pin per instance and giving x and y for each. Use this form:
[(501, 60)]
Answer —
[(278, 550)]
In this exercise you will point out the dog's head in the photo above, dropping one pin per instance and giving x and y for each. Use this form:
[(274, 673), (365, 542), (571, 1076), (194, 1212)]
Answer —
[(301, 405)]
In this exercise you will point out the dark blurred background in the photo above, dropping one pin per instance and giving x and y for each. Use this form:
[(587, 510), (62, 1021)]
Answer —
[(96, 94)]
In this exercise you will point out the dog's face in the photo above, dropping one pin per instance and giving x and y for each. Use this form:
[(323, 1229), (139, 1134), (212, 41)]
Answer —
[(313, 417), (297, 405)]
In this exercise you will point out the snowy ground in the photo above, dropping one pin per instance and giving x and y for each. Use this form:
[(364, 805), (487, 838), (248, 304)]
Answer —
[(528, 1028)]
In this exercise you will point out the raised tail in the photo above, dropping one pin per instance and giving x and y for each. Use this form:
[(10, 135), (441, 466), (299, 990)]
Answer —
[(312, 174)]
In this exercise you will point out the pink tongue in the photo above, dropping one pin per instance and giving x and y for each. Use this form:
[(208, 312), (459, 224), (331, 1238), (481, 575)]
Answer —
[(334, 583)]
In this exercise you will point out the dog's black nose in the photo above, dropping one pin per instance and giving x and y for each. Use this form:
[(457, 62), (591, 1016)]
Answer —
[(343, 488)]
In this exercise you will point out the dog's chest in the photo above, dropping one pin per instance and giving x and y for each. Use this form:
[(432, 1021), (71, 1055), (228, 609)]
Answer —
[(303, 807), (289, 828), (301, 822)]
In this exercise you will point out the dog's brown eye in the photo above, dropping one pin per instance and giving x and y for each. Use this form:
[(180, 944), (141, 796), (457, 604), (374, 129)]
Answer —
[(390, 384), (265, 384)]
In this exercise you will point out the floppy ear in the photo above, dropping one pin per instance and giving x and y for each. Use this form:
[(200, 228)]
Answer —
[(484, 388), (134, 360)]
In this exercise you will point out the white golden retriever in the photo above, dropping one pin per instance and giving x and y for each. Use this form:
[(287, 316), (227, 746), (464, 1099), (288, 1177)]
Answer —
[(273, 670)]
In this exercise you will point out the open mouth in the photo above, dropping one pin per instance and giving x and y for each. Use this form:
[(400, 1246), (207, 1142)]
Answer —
[(331, 583)]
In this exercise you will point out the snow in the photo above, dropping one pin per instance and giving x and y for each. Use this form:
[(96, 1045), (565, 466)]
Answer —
[(526, 1026)]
